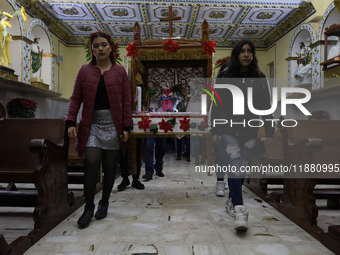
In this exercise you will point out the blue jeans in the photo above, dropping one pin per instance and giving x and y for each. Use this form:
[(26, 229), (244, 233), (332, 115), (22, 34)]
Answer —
[(234, 151), (187, 147), (159, 154)]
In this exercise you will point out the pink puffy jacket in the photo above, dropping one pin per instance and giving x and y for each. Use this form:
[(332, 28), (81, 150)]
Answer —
[(84, 91)]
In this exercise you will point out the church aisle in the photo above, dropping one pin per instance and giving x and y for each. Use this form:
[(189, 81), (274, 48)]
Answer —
[(178, 215)]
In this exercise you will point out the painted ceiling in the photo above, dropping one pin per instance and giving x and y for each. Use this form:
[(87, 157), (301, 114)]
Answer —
[(263, 22)]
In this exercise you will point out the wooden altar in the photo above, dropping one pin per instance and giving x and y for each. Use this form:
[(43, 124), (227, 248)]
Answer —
[(152, 54)]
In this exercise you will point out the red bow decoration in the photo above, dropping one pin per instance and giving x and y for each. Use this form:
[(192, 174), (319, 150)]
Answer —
[(171, 46), (208, 47), (132, 50), (144, 123), (185, 126), (165, 126)]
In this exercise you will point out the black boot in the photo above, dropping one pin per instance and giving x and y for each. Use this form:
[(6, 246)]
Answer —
[(137, 184), (102, 210), (86, 217), (122, 186)]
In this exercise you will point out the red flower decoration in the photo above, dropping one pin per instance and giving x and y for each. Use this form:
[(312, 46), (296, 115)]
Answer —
[(185, 126), (165, 126), (208, 47), (132, 50), (144, 123), (171, 46)]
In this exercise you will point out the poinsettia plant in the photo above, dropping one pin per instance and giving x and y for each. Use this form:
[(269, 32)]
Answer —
[(208, 47), (21, 108), (144, 123), (219, 62), (319, 115), (171, 45), (185, 125), (115, 49), (165, 125), (132, 50)]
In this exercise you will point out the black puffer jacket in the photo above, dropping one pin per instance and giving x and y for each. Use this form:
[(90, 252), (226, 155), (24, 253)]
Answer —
[(261, 101)]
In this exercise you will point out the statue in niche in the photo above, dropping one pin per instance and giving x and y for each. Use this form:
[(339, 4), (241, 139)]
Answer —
[(36, 54), (335, 50), (304, 72)]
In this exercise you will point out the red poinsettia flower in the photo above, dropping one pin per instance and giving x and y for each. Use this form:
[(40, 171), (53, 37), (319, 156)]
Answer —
[(132, 50), (144, 123), (208, 47), (185, 126), (171, 46), (165, 126)]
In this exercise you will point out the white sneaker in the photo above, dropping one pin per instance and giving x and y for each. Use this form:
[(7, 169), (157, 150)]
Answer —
[(219, 189), (241, 218), (230, 208), (226, 185)]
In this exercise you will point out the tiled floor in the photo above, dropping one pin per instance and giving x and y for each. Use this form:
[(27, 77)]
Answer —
[(178, 215)]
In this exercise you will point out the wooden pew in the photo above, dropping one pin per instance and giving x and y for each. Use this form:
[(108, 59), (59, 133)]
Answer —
[(35, 151), (310, 142)]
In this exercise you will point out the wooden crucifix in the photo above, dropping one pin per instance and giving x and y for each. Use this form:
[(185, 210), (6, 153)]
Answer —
[(170, 18)]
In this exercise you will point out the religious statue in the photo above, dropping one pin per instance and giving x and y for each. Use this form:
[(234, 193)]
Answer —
[(167, 98), (5, 37), (36, 54), (5, 56), (335, 50), (304, 71)]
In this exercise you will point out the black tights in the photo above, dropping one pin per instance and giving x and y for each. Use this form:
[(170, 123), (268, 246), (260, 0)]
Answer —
[(93, 158)]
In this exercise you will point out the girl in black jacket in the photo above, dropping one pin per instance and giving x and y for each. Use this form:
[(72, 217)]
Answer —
[(234, 140)]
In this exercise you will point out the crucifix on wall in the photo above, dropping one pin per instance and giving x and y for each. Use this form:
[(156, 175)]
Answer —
[(170, 18)]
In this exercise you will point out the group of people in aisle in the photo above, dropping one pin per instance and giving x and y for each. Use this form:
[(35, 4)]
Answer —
[(103, 87)]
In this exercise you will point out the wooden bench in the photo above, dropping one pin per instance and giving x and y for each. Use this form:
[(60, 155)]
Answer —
[(310, 142), (35, 151)]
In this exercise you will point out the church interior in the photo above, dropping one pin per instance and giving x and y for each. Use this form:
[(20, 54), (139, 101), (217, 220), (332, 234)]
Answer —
[(166, 48)]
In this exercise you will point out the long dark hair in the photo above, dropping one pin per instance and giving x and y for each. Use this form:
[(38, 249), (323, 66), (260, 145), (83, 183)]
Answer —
[(108, 38), (235, 65), (224, 66)]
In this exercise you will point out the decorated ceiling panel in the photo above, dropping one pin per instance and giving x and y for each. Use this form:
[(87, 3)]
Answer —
[(262, 21), (218, 14), (118, 12), (155, 12), (266, 16), (214, 31), (163, 30)]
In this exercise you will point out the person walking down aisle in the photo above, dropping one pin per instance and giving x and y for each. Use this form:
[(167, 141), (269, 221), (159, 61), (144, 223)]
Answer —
[(125, 167), (155, 146), (104, 89), (234, 143)]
